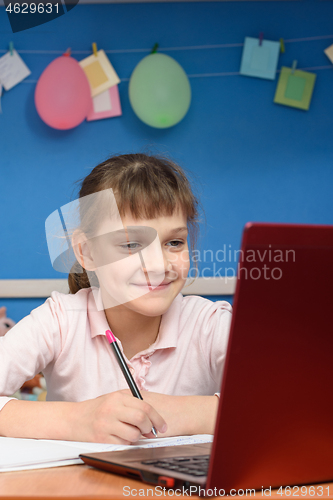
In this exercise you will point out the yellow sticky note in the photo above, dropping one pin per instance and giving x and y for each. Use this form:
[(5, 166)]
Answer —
[(95, 74), (100, 72)]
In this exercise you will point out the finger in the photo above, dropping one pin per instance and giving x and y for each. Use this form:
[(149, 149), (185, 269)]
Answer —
[(153, 416), (127, 392), (137, 418), (112, 439), (156, 418), (150, 435), (125, 433), (116, 435)]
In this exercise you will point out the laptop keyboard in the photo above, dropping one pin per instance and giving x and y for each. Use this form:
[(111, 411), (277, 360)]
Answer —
[(195, 466)]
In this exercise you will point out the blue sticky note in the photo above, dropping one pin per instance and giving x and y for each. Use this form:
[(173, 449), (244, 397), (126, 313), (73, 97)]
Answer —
[(258, 60)]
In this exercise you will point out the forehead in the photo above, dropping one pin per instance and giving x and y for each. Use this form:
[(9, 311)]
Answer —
[(176, 220), (162, 224)]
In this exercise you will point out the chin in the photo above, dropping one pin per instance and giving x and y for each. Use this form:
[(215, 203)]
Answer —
[(151, 306)]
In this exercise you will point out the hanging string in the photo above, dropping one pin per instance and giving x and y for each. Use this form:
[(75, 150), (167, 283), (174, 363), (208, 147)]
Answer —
[(170, 49), (193, 47), (212, 75)]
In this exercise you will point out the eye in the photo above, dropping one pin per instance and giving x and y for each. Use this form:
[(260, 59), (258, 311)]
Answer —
[(129, 246), (7, 325), (178, 243)]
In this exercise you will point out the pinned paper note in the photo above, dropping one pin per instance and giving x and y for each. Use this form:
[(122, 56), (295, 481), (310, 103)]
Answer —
[(329, 53), (105, 105), (295, 88), (12, 70), (260, 58), (100, 72)]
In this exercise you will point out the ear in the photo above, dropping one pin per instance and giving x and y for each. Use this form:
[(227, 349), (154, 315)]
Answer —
[(82, 251), (3, 312)]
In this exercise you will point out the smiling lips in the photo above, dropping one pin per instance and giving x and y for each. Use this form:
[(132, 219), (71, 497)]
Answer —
[(152, 285)]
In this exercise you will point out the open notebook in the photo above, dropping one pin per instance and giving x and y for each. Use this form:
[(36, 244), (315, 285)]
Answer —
[(21, 454)]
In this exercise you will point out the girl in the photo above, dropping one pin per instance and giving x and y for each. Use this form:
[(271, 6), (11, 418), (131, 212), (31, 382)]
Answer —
[(124, 281)]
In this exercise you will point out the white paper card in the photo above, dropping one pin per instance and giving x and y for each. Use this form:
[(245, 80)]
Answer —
[(26, 454), (102, 102), (329, 52), (12, 70)]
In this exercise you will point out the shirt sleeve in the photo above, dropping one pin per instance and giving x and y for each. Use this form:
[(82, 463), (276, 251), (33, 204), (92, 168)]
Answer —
[(3, 401), (214, 339), (31, 345)]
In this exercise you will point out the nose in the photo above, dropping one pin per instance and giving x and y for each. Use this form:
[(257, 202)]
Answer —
[(154, 260)]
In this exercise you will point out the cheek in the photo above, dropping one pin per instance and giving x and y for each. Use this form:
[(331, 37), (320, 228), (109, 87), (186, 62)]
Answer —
[(186, 268), (181, 264), (118, 273), (184, 259)]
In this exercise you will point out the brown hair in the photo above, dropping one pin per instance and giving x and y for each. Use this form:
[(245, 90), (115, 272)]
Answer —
[(147, 186)]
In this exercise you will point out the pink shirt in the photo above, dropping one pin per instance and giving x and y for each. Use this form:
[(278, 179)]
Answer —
[(65, 339)]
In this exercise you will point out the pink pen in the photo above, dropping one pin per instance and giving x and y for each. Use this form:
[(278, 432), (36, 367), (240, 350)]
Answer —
[(124, 368)]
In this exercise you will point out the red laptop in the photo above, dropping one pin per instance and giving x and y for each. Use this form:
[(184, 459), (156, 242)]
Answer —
[(275, 419)]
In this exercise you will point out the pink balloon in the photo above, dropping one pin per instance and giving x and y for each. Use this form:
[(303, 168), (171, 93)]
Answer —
[(62, 95)]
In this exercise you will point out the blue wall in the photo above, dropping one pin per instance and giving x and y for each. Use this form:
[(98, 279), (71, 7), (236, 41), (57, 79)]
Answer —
[(250, 158)]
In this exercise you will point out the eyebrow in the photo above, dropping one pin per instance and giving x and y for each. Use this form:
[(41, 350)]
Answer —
[(138, 229), (179, 230)]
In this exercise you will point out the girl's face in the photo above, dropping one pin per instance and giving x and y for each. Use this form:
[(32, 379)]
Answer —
[(142, 264)]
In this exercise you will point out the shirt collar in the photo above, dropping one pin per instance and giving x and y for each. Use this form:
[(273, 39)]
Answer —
[(96, 315), (169, 326)]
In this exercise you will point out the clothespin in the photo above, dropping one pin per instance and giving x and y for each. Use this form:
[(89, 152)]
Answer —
[(154, 49), (11, 48), (282, 47), (261, 37), (94, 47), (67, 53), (293, 67)]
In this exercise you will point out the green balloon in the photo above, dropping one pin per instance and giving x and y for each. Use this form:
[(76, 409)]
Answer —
[(159, 91)]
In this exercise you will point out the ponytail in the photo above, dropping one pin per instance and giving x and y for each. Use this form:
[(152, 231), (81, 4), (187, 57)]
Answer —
[(78, 278)]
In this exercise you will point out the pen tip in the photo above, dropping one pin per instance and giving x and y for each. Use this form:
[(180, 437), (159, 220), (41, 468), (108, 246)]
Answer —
[(153, 430)]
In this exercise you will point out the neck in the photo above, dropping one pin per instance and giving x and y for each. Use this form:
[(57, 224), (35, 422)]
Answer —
[(135, 331)]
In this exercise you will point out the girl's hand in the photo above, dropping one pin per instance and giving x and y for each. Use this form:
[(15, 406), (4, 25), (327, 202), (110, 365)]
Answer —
[(115, 418), (184, 415)]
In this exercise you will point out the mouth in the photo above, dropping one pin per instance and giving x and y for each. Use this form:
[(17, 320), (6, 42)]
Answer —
[(152, 288)]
